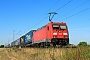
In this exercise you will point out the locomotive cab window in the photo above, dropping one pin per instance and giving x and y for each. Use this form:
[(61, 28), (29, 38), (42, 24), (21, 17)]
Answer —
[(55, 27), (59, 27), (62, 27)]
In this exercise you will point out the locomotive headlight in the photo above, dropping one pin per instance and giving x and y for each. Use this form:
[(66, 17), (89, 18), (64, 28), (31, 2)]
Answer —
[(64, 33), (54, 33)]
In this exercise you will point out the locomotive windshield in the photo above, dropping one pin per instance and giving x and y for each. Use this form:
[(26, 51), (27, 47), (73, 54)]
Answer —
[(63, 27), (58, 27)]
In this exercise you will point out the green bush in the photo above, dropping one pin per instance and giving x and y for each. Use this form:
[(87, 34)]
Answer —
[(82, 44), (1, 46), (68, 45), (14, 48)]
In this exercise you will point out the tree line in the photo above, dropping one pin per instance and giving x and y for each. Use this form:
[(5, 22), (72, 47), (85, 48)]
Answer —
[(1, 46)]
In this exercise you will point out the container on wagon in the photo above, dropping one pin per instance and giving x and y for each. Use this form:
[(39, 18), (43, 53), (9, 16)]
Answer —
[(13, 43), (29, 36), (17, 42)]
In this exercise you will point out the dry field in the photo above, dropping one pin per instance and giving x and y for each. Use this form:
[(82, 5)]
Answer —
[(82, 53)]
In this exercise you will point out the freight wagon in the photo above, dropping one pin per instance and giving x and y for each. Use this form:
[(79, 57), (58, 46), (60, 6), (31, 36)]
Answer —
[(28, 38), (17, 42), (24, 40), (13, 44)]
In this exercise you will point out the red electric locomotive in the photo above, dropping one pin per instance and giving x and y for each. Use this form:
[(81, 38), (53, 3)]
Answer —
[(54, 33)]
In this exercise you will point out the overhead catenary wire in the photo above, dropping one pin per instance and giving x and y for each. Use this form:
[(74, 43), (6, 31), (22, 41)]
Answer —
[(76, 13), (53, 5), (38, 22), (75, 8), (64, 5)]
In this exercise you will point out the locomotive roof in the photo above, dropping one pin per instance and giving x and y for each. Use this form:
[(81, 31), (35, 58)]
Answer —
[(50, 23), (58, 22)]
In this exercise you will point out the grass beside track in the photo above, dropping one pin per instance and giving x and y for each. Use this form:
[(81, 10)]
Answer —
[(79, 53)]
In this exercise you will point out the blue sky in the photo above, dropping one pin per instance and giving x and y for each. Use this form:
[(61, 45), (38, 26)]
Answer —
[(25, 15)]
